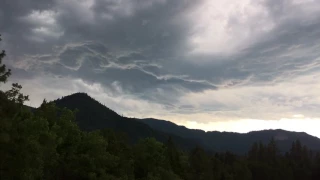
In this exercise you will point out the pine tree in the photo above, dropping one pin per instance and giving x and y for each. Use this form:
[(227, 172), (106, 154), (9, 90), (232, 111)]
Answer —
[(174, 157), (253, 152), (4, 72), (272, 150), (13, 94)]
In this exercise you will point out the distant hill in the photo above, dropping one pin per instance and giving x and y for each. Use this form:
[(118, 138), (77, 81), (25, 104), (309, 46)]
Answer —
[(235, 142), (93, 115)]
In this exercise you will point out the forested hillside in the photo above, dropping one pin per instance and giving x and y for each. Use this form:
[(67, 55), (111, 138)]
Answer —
[(92, 115), (48, 144)]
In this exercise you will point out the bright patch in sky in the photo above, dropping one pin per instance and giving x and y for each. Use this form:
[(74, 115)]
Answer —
[(226, 27), (246, 125)]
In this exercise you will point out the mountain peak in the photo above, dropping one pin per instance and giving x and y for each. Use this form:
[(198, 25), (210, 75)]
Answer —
[(91, 112), (93, 115), (78, 95)]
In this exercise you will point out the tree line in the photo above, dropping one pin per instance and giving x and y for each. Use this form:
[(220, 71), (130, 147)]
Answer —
[(48, 144)]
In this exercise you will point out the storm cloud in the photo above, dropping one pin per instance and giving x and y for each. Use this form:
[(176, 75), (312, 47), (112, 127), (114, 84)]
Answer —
[(188, 61)]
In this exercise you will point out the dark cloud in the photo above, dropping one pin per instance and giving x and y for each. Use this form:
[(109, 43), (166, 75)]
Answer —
[(143, 49), (17, 30)]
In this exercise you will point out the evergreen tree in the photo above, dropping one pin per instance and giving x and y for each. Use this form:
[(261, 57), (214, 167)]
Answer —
[(4, 72), (200, 165), (174, 157)]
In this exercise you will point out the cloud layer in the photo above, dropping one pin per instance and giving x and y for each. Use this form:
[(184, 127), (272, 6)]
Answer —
[(189, 61)]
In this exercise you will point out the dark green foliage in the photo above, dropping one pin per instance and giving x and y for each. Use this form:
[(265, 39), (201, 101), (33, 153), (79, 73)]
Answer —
[(200, 165), (4, 72), (14, 94)]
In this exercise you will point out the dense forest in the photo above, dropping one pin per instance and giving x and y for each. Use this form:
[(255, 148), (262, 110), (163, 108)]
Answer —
[(47, 143)]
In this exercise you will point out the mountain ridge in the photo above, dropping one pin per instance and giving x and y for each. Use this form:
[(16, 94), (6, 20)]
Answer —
[(93, 115), (284, 137), (168, 121)]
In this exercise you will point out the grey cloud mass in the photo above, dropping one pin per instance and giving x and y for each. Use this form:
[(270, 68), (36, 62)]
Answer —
[(204, 61)]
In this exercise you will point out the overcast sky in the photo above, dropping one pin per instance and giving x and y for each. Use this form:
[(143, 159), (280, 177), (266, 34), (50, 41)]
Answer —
[(209, 64)]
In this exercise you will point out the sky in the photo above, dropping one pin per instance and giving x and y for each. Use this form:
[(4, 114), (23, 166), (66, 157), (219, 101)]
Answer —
[(208, 64)]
